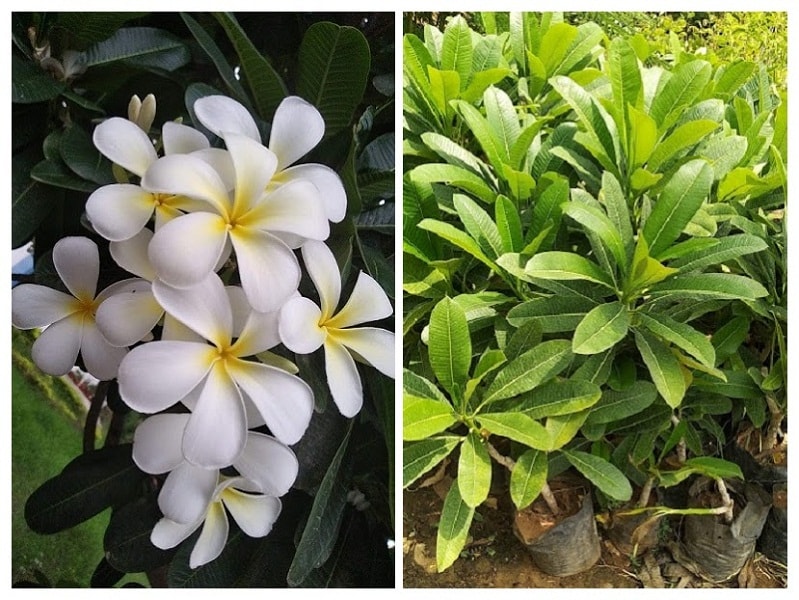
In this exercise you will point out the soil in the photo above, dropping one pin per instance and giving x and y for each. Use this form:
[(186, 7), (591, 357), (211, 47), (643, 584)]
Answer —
[(495, 558)]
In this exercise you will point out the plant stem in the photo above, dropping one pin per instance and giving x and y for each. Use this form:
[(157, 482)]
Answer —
[(727, 502), (90, 428), (509, 463), (646, 491), (549, 498), (774, 423), (680, 448)]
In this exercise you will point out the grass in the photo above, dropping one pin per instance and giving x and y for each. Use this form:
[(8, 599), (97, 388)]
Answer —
[(46, 435)]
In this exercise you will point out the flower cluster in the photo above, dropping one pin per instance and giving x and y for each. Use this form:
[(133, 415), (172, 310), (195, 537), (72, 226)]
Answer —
[(175, 335)]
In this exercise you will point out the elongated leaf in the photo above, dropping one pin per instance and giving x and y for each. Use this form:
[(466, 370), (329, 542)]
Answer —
[(419, 457), (686, 83), (618, 211), (642, 136), (453, 528), (557, 398), (79, 154), (738, 385), (563, 428), (530, 370), (31, 84), (710, 286), (503, 121), (596, 368), (508, 224), (724, 250), (481, 81), (663, 367), (57, 174), (601, 473), (547, 210), (456, 177), (729, 337), (418, 202), (724, 153), (127, 542), (682, 138), (625, 81), (422, 417), (141, 47), (681, 335), (479, 225), (31, 201), (517, 427), (482, 131), (456, 49), (474, 471), (333, 72), (678, 202), (733, 76), (416, 385), (597, 222), (557, 313), (714, 467), (566, 266), (588, 36), (528, 477), (602, 328), (450, 345), (453, 153), (266, 86), (555, 44), (457, 238), (617, 405)]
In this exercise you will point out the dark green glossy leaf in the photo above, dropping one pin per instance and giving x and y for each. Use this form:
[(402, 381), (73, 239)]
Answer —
[(127, 542), (601, 473), (31, 84), (143, 47)]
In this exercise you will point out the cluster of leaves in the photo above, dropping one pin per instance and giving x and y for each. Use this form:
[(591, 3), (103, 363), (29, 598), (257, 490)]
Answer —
[(70, 71), (594, 259)]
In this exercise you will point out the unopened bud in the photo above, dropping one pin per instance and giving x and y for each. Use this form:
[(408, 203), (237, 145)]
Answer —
[(142, 113)]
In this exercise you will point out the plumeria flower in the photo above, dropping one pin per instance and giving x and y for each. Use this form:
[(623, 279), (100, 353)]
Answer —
[(270, 466), (248, 219), (304, 327), (70, 319), (120, 210), (156, 375), (142, 112), (297, 128)]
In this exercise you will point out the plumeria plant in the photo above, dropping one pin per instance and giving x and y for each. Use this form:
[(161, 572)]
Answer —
[(203, 287)]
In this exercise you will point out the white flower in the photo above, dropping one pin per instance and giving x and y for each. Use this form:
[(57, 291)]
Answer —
[(296, 129), (213, 380), (70, 318), (142, 113), (119, 211), (304, 327), (248, 218)]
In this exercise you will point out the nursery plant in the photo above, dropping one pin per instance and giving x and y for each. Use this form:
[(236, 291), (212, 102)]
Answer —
[(210, 202), (593, 263)]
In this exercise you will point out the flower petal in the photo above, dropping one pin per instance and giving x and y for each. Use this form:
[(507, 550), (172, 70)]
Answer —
[(182, 139), (295, 207), (187, 492), (375, 346), (35, 305), (120, 210), (204, 233), (221, 114), (323, 269), (268, 463), (260, 333), (254, 165), (327, 181), (299, 326), (125, 144), (213, 537), (368, 302), (255, 514), (55, 351), (239, 306), (131, 254), (296, 129), (221, 162), (203, 307), (343, 379), (100, 357), (157, 443), (284, 401), (77, 261), (187, 175), (127, 318), (217, 428), (168, 534), (268, 269), (156, 375)]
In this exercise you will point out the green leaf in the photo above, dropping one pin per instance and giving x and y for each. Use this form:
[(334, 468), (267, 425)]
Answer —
[(503, 122), (733, 76), (710, 286), (557, 398), (595, 221), (663, 367), (517, 427), (483, 133), (91, 483), (416, 385), (524, 338), (687, 82), (456, 49), (266, 86), (601, 473), (728, 338), (547, 209), (453, 528), (588, 36), (563, 428), (418, 202), (31, 84), (530, 370), (678, 202), (422, 417), (333, 72), (646, 271), (127, 542), (508, 224), (474, 471), (596, 368), (479, 225), (618, 211), (680, 334), (617, 405), (450, 345), (555, 44), (602, 328), (625, 81), (481, 81), (566, 266), (455, 177), (457, 238), (738, 385), (79, 154), (714, 467), (528, 477), (723, 250), (31, 201), (321, 529), (58, 175), (642, 137), (682, 138), (444, 88), (143, 47), (554, 314), (724, 153), (419, 457), (454, 154)]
